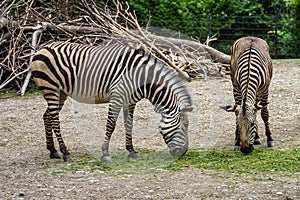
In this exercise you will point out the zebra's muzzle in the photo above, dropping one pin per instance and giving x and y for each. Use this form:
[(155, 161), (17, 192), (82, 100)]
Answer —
[(177, 152), (247, 150)]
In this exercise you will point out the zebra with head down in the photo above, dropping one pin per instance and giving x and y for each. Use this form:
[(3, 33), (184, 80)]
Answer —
[(251, 73), (116, 74)]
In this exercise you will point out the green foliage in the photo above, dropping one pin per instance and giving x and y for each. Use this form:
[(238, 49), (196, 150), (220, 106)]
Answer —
[(191, 18), (195, 10)]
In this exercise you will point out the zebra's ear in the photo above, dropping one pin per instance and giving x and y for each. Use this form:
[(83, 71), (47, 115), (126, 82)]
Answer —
[(258, 106), (229, 108)]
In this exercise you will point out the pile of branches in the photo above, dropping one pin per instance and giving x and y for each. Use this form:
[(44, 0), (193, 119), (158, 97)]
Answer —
[(27, 25)]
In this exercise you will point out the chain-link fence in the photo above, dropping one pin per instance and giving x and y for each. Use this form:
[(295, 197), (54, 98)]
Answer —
[(279, 30)]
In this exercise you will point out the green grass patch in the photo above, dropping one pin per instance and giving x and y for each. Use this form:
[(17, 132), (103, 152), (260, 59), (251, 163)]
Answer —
[(262, 160), (13, 93), (4, 94), (33, 90), (81, 164)]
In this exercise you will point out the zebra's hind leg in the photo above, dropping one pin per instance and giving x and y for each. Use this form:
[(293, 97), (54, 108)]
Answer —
[(55, 103), (62, 146), (49, 135), (128, 123), (265, 117), (113, 113)]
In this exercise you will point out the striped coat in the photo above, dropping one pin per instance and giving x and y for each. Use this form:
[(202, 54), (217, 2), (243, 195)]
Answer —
[(115, 74), (251, 72)]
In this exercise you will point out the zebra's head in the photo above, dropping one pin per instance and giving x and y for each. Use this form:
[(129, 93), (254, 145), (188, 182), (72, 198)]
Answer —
[(174, 129), (247, 124)]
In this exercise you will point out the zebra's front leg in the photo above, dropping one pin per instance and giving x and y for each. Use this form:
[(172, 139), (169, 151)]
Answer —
[(113, 113), (237, 146), (265, 117), (128, 123), (257, 139)]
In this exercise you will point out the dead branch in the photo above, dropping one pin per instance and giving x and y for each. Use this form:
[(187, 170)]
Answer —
[(92, 24), (35, 38)]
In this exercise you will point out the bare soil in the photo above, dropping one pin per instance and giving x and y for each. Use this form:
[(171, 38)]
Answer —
[(24, 157)]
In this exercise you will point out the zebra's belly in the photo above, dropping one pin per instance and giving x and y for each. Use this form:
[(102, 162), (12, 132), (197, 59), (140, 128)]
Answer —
[(90, 100)]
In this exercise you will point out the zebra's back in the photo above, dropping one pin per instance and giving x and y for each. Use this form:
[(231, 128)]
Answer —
[(251, 66), (85, 73)]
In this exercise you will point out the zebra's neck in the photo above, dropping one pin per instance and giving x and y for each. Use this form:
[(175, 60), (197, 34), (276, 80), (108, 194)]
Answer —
[(153, 80)]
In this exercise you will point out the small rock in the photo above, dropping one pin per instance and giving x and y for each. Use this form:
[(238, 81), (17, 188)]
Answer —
[(21, 194), (98, 171), (93, 181), (279, 193)]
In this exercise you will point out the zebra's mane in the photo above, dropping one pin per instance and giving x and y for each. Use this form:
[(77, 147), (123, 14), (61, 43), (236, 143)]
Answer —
[(175, 81)]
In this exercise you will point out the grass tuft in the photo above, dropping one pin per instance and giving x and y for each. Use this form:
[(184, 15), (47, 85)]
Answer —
[(261, 160)]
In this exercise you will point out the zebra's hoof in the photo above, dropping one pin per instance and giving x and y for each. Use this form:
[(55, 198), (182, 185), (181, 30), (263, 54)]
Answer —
[(54, 155), (106, 159), (67, 158), (133, 155), (257, 141), (237, 148), (270, 143)]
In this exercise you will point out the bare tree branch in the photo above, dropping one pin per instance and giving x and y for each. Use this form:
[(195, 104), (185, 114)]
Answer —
[(91, 23)]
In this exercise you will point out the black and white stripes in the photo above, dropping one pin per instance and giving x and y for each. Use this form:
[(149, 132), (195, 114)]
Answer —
[(251, 74), (117, 74)]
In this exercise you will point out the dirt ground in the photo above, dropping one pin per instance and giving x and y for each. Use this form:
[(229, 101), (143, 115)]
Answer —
[(23, 155)]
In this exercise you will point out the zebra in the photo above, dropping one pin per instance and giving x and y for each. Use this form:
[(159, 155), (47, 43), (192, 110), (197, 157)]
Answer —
[(251, 73), (116, 74)]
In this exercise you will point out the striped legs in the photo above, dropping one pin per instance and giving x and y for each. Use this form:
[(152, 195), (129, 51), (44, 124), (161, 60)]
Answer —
[(52, 124), (265, 117), (128, 123), (237, 145), (49, 135), (113, 113), (238, 101)]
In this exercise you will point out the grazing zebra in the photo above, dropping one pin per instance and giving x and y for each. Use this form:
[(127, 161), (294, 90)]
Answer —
[(251, 74), (116, 74)]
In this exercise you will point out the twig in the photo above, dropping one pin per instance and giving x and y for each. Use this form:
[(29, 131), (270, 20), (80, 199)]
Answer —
[(34, 43), (12, 78)]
